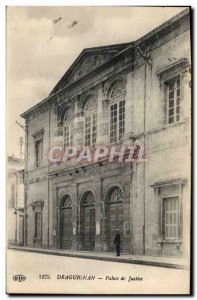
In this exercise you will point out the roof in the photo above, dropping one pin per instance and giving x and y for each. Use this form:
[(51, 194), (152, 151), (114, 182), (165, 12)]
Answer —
[(114, 49), (118, 49)]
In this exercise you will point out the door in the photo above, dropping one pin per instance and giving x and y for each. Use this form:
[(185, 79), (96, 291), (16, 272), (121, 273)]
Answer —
[(38, 228), (115, 221), (21, 231), (115, 216), (89, 228), (66, 228), (88, 221)]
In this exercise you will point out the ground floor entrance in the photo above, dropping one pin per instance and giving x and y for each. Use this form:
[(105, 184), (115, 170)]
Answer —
[(88, 222), (114, 214), (66, 223)]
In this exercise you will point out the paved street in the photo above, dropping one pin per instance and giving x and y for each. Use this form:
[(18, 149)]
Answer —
[(76, 275)]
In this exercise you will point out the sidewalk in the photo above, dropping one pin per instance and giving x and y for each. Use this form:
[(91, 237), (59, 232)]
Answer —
[(167, 262)]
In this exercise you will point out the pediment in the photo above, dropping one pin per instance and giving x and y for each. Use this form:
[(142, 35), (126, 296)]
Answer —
[(88, 60)]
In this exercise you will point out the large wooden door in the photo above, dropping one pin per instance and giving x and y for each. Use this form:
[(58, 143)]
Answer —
[(89, 228), (88, 222), (21, 231), (115, 221), (115, 217), (38, 227), (66, 228)]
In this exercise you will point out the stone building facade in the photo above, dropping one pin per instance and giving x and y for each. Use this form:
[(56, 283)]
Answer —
[(138, 93)]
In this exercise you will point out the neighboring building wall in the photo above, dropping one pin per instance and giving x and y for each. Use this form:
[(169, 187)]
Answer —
[(15, 198), (167, 146)]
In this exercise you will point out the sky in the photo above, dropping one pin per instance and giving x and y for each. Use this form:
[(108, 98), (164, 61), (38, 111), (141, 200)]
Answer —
[(43, 41)]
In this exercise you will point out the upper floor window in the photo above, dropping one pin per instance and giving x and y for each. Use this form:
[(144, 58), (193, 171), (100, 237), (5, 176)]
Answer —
[(117, 89), (173, 100), (20, 177), (173, 87), (39, 152), (38, 142), (117, 111), (90, 121), (68, 127)]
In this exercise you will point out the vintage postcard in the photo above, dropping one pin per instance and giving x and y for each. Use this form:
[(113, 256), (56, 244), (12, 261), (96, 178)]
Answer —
[(98, 150)]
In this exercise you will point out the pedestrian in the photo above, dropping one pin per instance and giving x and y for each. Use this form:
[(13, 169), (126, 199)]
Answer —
[(117, 242)]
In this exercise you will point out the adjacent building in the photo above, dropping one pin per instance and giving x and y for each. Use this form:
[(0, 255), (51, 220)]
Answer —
[(15, 203), (138, 93)]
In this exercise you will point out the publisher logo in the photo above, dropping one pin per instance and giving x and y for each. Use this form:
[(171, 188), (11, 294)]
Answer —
[(19, 278)]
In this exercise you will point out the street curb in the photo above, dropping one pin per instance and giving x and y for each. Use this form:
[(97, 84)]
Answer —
[(95, 257)]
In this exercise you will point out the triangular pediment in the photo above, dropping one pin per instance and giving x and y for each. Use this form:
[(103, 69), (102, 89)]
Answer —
[(88, 60)]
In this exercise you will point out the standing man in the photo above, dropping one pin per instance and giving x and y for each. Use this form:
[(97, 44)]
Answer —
[(117, 242)]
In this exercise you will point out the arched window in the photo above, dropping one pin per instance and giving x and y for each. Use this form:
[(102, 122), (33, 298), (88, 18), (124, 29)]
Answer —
[(115, 195), (68, 127), (118, 88), (117, 111), (90, 121), (66, 202), (89, 199)]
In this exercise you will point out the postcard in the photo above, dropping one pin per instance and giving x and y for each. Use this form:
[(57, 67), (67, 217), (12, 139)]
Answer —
[(98, 150)]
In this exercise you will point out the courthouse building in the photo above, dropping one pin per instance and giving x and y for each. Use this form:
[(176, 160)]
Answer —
[(137, 93)]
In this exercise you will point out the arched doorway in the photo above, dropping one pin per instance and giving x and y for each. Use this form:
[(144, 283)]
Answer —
[(114, 212), (88, 221), (66, 222)]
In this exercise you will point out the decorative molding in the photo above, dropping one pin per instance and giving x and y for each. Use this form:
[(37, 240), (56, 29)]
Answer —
[(37, 179), (38, 132), (87, 64), (168, 182), (183, 62), (37, 203)]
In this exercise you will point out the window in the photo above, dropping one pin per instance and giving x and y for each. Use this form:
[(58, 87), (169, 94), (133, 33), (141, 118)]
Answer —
[(170, 226), (66, 202), (90, 122), (117, 121), (90, 130), (68, 135), (68, 127), (12, 200), (115, 195), (169, 195), (173, 101), (38, 224), (38, 147), (20, 177), (117, 111), (117, 89), (39, 152)]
